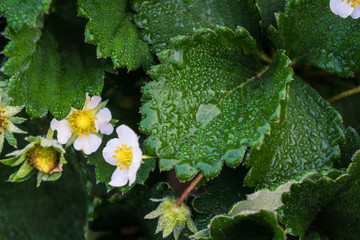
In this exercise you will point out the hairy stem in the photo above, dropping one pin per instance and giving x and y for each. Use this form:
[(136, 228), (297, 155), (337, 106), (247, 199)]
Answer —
[(344, 94), (188, 190)]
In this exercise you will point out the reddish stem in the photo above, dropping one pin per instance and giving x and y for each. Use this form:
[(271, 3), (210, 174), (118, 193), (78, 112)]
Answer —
[(189, 189)]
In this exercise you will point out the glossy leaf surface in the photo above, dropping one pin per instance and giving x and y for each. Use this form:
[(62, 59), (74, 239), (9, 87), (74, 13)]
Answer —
[(306, 138), (209, 100), (311, 33), (20, 12), (330, 201), (163, 20), (51, 68), (110, 28)]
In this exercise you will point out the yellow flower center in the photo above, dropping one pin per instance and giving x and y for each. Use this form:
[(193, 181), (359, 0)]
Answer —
[(352, 2), (82, 122), (44, 159), (123, 156)]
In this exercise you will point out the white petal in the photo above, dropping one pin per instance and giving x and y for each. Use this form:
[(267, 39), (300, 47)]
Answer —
[(63, 130), (109, 150), (92, 102), (106, 128), (119, 178), (88, 144), (341, 8), (135, 165), (127, 134), (356, 13), (104, 115), (103, 121)]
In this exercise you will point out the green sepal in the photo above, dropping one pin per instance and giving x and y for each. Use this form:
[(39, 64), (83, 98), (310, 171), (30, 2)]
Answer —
[(46, 177), (17, 120), (32, 139), (100, 106), (10, 138), (14, 161), (23, 174)]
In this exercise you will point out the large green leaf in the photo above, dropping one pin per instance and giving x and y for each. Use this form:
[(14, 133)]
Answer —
[(306, 138), (18, 12), (261, 224), (51, 67), (329, 203), (311, 33), (207, 103), (264, 199), (351, 145), (55, 210), (163, 20), (110, 29)]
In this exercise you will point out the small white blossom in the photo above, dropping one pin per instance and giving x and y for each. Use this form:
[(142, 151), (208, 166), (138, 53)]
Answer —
[(123, 152), (82, 127), (345, 8)]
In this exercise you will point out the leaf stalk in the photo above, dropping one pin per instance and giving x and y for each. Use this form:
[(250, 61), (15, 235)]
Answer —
[(189, 189), (344, 94)]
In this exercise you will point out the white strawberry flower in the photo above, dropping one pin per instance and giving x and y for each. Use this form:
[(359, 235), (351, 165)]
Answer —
[(345, 8), (82, 127), (123, 152)]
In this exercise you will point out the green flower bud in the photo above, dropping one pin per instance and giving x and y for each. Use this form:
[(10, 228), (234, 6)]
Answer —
[(172, 217), (46, 155), (8, 121)]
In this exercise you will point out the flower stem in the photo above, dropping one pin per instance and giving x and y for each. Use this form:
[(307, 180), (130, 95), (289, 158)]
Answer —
[(344, 94), (188, 190), (148, 156)]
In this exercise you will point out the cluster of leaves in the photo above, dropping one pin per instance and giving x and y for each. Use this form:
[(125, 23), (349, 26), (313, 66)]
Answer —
[(226, 83)]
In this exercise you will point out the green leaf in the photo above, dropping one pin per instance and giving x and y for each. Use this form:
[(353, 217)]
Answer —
[(268, 9), (163, 20), (329, 203), (311, 33), (264, 199), (351, 145), (262, 224), (220, 195), (210, 68), (19, 12), (54, 210), (110, 28), (51, 68), (306, 138)]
